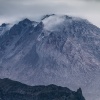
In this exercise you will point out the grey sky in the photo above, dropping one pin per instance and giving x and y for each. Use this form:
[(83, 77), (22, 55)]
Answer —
[(14, 10)]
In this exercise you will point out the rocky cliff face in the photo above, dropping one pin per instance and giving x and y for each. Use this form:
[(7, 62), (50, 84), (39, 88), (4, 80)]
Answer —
[(59, 50), (13, 90)]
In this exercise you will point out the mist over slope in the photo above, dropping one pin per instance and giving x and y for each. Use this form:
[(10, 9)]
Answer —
[(59, 50)]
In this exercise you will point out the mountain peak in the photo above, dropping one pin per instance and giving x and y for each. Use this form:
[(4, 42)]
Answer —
[(4, 25), (25, 21), (79, 91), (61, 50), (52, 22)]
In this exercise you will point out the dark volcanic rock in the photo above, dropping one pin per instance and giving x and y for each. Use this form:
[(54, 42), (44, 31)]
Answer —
[(13, 90)]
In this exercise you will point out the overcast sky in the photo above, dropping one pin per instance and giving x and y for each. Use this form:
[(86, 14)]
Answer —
[(15, 10)]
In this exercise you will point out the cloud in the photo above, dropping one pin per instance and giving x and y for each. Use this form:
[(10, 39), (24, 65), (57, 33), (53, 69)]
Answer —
[(14, 10)]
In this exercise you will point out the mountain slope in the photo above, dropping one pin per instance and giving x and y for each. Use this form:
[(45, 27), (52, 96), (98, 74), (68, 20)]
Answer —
[(58, 50)]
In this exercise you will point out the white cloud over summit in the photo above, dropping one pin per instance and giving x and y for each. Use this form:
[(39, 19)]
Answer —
[(14, 10)]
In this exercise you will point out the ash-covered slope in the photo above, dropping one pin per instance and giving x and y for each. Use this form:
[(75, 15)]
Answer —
[(13, 90), (58, 50)]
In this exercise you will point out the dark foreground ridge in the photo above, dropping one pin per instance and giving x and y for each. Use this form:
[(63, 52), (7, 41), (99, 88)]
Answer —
[(13, 90)]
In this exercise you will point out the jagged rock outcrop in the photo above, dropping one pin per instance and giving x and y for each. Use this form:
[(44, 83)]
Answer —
[(13, 90)]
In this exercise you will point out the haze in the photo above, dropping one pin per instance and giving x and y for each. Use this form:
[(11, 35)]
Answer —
[(15, 10)]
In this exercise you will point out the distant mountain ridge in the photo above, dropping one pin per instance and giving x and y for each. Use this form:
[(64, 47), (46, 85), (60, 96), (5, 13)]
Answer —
[(13, 90), (59, 50)]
